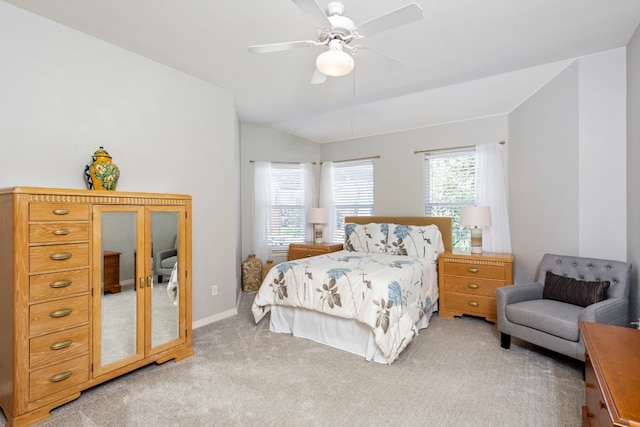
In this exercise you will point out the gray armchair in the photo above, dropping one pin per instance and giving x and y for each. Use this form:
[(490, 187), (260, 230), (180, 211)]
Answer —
[(553, 324), (165, 259)]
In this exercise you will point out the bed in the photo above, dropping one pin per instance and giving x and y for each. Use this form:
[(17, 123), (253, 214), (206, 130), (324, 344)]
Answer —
[(369, 299)]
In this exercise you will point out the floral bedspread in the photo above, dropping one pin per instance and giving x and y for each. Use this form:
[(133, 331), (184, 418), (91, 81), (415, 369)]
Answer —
[(389, 293)]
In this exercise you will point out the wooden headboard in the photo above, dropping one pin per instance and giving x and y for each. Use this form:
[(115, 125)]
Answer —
[(444, 224)]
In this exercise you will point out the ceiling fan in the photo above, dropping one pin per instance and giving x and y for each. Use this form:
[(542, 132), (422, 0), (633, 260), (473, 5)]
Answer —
[(337, 32)]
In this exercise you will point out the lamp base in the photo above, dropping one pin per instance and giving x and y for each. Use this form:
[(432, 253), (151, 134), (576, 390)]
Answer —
[(476, 240), (317, 228)]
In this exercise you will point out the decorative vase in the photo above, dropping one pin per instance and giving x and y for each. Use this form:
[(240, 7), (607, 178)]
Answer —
[(268, 265), (251, 273), (102, 173)]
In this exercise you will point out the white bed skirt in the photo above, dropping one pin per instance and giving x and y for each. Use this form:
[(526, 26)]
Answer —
[(344, 334)]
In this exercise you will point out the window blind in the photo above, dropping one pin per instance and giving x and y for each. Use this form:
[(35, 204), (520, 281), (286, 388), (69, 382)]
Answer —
[(352, 192), (449, 185), (288, 216)]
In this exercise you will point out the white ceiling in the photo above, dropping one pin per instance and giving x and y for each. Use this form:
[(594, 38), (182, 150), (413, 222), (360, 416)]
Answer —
[(465, 59)]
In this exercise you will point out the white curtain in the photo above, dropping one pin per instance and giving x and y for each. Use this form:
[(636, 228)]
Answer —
[(326, 200), (491, 190), (309, 187), (261, 209)]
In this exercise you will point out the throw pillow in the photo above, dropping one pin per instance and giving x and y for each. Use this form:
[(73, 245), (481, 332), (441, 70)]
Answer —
[(415, 241), (370, 237), (572, 291)]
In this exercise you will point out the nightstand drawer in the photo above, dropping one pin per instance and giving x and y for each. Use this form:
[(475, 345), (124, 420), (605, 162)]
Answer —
[(476, 305), (472, 285), (476, 270)]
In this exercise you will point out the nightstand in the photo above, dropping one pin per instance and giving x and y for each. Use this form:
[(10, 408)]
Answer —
[(308, 249), (468, 283)]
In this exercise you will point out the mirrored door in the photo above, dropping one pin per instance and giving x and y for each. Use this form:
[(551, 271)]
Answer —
[(117, 276)]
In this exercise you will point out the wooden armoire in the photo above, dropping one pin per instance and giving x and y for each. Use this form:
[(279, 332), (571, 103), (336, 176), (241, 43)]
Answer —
[(61, 332)]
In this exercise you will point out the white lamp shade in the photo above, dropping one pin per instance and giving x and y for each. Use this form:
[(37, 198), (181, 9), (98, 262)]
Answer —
[(335, 63), (475, 216), (317, 216)]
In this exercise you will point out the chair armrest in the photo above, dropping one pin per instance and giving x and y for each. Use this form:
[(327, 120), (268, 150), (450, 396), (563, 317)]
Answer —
[(511, 294), (166, 253), (613, 311)]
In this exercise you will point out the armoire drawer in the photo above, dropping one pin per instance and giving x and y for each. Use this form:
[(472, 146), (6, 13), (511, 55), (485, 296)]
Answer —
[(58, 257), (51, 232), (55, 315), (55, 378), (58, 212), (58, 285), (59, 346)]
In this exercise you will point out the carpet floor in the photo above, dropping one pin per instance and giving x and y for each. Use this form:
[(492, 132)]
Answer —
[(453, 374)]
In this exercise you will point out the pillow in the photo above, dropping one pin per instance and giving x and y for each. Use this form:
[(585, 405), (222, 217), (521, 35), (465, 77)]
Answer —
[(577, 292), (423, 241), (370, 237)]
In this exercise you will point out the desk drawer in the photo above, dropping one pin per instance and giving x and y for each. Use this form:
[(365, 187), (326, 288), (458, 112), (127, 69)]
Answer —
[(55, 315), (58, 285), (58, 212), (59, 346), (51, 232), (50, 380), (472, 285), (58, 257)]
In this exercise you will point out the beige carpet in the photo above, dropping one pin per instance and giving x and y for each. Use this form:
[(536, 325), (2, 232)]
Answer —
[(453, 374)]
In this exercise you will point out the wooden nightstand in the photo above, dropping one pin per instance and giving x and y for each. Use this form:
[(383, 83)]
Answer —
[(308, 249), (111, 270), (468, 283)]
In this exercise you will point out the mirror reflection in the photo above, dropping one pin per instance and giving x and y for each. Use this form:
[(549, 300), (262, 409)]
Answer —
[(166, 288), (118, 302)]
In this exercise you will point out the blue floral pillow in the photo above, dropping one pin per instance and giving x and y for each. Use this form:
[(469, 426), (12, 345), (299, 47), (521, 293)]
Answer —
[(417, 241), (366, 237)]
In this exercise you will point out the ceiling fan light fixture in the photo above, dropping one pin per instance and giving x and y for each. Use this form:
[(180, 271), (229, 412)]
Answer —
[(335, 63)]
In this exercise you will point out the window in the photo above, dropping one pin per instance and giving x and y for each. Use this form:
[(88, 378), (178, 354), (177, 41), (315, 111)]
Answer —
[(450, 185), (288, 212), (352, 192)]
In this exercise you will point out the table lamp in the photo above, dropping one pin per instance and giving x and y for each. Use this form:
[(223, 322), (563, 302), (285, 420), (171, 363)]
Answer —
[(476, 217), (317, 217)]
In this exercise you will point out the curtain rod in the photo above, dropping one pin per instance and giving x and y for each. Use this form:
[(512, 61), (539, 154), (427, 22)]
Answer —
[(283, 163), (435, 150), (353, 160)]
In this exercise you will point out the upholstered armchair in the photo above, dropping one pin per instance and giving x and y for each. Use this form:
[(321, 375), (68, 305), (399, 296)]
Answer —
[(576, 290), (165, 259)]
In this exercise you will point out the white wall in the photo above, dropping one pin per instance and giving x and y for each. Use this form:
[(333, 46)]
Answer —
[(399, 173), (64, 94), (633, 168), (601, 155)]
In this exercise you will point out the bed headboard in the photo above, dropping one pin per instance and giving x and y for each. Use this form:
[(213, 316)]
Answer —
[(444, 224)]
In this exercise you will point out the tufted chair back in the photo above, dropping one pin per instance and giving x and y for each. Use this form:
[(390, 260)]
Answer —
[(618, 273)]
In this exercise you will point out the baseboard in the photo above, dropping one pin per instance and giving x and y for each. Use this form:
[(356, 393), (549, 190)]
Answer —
[(215, 318)]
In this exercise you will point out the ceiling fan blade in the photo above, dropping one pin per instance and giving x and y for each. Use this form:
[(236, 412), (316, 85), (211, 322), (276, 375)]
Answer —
[(314, 11), (278, 47), (383, 60), (318, 77), (397, 18)]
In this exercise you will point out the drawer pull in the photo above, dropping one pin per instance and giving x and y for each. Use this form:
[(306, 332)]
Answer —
[(602, 405), (60, 211), (307, 255), (61, 256), (473, 303), (60, 284), (473, 286), (60, 345), (60, 232), (589, 385), (472, 270), (60, 377), (60, 313)]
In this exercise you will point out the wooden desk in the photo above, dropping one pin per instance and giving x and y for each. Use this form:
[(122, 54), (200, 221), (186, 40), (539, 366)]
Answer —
[(612, 375)]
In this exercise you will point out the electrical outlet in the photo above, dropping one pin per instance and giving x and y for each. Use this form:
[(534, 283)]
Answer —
[(214, 290)]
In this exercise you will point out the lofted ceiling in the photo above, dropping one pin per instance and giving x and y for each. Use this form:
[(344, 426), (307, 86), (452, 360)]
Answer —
[(465, 59)]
